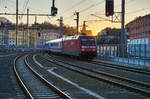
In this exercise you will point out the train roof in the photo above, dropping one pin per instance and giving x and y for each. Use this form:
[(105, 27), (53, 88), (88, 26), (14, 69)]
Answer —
[(71, 37), (68, 38), (56, 40), (75, 37)]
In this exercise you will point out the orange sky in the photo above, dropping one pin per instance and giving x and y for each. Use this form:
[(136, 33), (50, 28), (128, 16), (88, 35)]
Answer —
[(66, 8)]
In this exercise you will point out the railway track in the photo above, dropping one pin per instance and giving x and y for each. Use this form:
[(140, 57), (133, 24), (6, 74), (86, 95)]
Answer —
[(129, 84), (47, 90), (117, 66)]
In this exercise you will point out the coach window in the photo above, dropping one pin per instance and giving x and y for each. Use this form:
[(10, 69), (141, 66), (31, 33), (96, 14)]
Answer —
[(91, 41), (59, 44), (55, 44), (88, 41), (52, 44), (83, 41)]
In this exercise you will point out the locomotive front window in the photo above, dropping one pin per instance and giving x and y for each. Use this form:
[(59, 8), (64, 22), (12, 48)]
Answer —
[(91, 41), (87, 41), (84, 40)]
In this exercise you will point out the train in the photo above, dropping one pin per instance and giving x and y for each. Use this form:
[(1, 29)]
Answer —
[(79, 45)]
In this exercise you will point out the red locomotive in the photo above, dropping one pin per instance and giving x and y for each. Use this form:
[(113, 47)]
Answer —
[(80, 45)]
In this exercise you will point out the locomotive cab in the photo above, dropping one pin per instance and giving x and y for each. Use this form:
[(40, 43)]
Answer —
[(88, 46)]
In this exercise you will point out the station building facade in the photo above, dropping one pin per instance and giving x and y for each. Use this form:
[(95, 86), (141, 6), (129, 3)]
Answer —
[(139, 35), (139, 30)]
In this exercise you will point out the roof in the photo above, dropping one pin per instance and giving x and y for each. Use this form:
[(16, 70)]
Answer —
[(138, 18), (71, 37), (67, 38), (4, 20), (56, 40)]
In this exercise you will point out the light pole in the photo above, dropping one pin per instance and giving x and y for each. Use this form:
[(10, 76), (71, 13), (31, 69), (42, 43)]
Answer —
[(77, 20), (61, 27), (16, 23), (123, 29)]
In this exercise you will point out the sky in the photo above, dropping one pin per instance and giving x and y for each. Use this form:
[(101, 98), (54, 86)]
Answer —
[(67, 8)]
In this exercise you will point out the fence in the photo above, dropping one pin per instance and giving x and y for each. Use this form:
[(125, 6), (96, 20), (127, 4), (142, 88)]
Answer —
[(136, 54)]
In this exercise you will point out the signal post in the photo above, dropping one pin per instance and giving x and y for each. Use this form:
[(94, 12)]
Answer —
[(109, 11)]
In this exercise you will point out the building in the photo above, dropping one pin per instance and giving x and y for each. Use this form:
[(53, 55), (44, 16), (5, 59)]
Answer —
[(139, 35), (1, 37), (84, 30), (46, 35), (37, 37), (109, 36), (109, 40), (4, 20), (52, 34), (4, 34), (139, 28), (38, 40), (12, 40)]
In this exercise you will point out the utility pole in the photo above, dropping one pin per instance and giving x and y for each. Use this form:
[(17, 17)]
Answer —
[(53, 3), (77, 20), (42, 37), (123, 29), (61, 27), (16, 23), (23, 37), (35, 33), (28, 28)]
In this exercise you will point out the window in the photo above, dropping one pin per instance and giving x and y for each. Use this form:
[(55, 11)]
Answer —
[(88, 41), (83, 40), (91, 41)]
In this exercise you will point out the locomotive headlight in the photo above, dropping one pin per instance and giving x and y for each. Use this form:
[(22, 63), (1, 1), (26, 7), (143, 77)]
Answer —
[(94, 50), (82, 49)]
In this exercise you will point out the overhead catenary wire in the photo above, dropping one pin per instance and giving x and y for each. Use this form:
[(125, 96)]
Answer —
[(25, 5), (77, 4), (49, 18), (24, 8), (86, 9), (137, 11), (11, 1), (130, 1), (117, 6), (127, 3), (91, 6), (74, 6), (132, 12)]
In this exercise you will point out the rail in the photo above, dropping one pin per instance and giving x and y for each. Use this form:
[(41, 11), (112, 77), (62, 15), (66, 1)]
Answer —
[(20, 82), (80, 70), (50, 85)]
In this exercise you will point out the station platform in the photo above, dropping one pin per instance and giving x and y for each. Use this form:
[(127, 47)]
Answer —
[(129, 62)]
